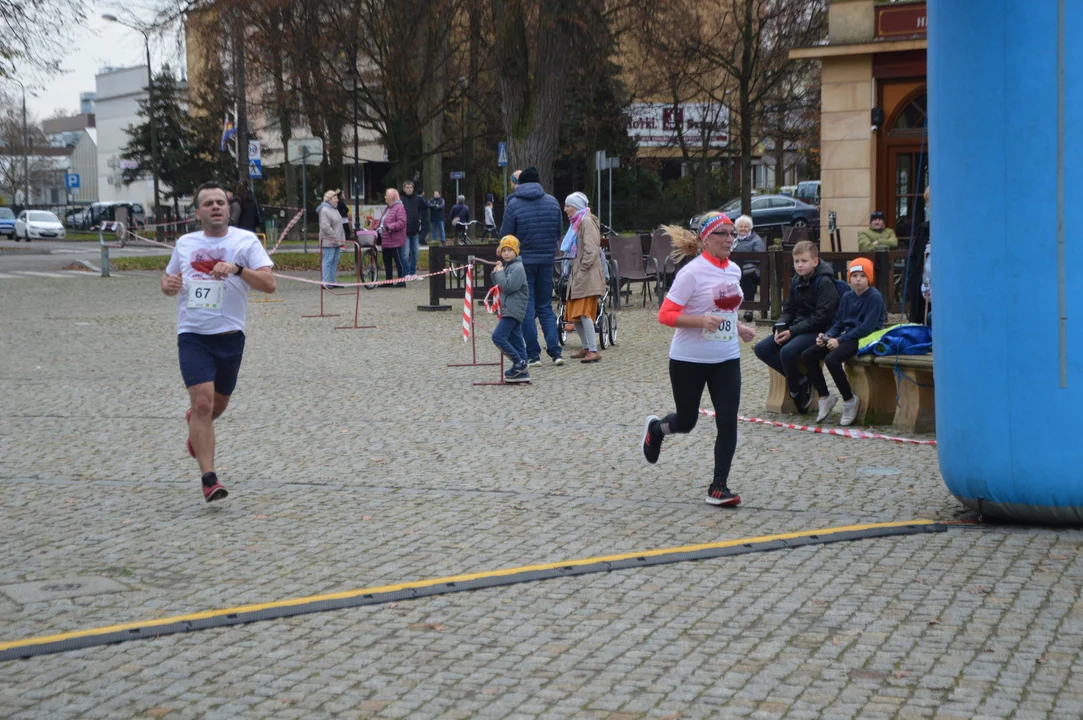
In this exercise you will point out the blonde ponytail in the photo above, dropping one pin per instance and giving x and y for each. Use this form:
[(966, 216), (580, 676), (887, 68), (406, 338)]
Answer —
[(685, 242)]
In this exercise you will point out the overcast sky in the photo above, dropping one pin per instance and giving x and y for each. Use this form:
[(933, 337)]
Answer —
[(94, 46)]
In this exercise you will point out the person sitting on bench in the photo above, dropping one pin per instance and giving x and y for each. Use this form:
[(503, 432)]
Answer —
[(861, 313)]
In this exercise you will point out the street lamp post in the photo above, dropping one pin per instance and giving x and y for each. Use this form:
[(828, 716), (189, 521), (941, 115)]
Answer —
[(26, 153), (26, 149), (150, 110)]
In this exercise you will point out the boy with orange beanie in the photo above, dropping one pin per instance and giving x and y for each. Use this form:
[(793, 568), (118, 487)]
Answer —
[(861, 313)]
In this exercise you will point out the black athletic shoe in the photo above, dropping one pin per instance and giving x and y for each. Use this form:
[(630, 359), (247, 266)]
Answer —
[(722, 496), (803, 398), (652, 439)]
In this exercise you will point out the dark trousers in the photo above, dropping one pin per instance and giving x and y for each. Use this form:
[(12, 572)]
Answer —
[(750, 283), (508, 336), (786, 359), (833, 359), (539, 306), (396, 255), (723, 381)]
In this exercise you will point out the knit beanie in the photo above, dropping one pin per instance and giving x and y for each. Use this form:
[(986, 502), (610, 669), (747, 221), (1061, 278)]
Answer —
[(531, 174), (861, 265), (711, 222), (577, 200), (509, 241)]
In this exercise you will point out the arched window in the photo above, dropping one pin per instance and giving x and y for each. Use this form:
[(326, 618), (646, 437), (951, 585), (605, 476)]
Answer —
[(911, 118)]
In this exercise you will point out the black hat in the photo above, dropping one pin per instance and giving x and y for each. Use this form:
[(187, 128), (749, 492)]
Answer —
[(878, 215), (531, 174)]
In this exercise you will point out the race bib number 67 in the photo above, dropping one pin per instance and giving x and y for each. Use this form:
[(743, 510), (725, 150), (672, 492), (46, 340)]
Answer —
[(205, 294)]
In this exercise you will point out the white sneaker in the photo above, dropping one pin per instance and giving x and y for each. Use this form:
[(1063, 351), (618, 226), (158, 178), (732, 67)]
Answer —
[(849, 410), (558, 360), (827, 404)]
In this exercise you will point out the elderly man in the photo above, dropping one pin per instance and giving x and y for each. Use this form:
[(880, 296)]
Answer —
[(877, 236)]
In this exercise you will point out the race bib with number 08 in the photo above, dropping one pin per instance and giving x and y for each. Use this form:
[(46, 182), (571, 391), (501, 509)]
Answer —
[(727, 328)]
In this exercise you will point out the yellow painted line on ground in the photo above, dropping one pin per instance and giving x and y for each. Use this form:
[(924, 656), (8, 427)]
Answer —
[(440, 581)]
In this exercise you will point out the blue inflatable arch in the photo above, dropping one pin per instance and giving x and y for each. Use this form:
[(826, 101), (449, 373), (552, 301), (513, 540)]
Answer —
[(1006, 152)]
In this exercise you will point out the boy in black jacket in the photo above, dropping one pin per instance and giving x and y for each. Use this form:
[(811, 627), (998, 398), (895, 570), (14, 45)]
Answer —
[(808, 311)]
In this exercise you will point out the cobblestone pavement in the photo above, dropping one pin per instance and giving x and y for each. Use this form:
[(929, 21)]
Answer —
[(356, 458)]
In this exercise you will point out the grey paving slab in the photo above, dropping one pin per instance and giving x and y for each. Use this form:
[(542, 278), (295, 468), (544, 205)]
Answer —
[(356, 459)]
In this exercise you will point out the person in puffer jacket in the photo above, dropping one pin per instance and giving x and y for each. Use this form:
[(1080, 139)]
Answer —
[(536, 219)]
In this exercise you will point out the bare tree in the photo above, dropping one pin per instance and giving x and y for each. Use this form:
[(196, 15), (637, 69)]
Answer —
[(752, 45), (535, 44), (33, 35)]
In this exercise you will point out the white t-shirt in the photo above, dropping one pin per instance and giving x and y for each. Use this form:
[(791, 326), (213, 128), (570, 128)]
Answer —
[(702, 287), (230, 296)]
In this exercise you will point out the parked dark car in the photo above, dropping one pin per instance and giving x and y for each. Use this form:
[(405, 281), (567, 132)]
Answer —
[(776, 210), (7, 222)]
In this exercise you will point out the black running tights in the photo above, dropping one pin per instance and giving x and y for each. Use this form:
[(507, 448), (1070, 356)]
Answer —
[(723, 381)]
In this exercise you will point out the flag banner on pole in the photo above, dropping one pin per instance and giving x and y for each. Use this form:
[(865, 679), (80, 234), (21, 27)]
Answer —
[(228, 131)]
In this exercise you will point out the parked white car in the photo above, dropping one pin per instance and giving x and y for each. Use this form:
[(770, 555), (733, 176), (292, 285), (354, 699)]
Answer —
[(38, 225)]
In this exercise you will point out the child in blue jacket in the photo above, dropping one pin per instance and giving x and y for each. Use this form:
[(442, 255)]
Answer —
[(861, 312)]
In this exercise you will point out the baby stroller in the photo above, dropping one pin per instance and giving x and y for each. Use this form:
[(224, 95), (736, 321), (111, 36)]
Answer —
[(605, 324)]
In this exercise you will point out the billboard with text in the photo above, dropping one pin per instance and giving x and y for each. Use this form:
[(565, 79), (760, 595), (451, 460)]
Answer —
[(656, 124)]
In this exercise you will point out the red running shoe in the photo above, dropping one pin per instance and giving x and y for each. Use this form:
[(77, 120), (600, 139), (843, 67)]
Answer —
[(188, 419), (214, 491)]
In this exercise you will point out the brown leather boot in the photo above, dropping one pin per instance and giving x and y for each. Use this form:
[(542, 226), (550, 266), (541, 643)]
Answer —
[(581, 354), (591, 357)]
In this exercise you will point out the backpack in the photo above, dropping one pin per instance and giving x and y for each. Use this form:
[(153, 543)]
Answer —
[(841, 286)]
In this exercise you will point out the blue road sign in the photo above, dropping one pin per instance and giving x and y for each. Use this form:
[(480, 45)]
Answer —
[(502, 154), (458, 175), (71, 181), (255, 169)]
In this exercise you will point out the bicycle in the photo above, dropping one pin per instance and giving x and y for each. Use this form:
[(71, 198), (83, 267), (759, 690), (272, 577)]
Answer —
[(462, 233), (462, 237), (368, 259)]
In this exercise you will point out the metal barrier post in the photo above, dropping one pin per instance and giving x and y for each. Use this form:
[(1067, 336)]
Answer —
[(105, 253), (119, 227), (357, 291)]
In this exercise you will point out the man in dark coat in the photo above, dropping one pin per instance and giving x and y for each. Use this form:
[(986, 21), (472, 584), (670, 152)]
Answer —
[(536, 218), (412, 204)]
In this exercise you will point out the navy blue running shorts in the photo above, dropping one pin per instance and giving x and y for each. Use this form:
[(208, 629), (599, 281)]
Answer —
[(211, 358)]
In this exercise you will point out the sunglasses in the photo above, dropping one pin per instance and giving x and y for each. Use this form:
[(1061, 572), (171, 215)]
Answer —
[(724, 233)]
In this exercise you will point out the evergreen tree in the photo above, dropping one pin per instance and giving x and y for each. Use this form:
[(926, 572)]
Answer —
[(177, 169)]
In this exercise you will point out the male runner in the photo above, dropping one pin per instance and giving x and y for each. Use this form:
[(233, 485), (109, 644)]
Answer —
[(212, 271)]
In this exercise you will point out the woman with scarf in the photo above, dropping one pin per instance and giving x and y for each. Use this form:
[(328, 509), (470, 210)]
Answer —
[(702, 307), (586, 282)]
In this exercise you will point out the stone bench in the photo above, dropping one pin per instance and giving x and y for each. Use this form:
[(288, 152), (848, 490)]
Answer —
[(873, 380)]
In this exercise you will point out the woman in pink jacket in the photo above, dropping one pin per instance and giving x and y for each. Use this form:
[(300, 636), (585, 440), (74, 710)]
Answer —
[(393, 235)]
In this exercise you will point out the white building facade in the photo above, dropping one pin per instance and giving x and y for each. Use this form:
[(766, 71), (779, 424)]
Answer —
[(118, 92)]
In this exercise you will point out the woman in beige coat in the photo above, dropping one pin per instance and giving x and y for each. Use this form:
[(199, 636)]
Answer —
[(332, 236), (586, 283)]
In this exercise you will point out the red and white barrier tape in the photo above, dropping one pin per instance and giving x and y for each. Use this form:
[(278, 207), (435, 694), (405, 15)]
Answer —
[(468, 302), (841, 432), (494, 293), (286, 231), (412, 278)]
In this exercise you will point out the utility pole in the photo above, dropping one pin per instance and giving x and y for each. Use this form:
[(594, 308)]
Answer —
[(26, 153), (356, 164), (242, 104)]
